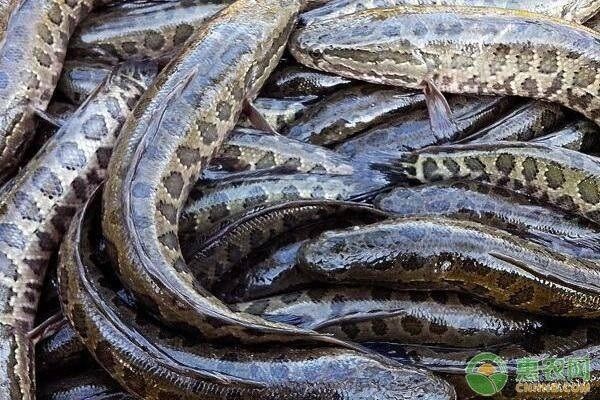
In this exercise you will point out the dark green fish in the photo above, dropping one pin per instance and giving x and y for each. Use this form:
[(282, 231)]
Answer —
[(441, 253), (379, 314), (350, 111)]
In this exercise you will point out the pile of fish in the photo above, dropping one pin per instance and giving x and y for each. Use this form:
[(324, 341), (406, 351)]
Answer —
[(294, 199)]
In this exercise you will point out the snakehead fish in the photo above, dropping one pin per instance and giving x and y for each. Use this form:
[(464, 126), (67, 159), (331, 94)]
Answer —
[(213, 254), (568, 179), (461, 50), (174, 131), (90, 384), (561, 341), (297, 80), (31, 57), (79, 79), (273, 269), (412, 130), (210, 202), (494, 206), (279, 113), (381, 314), (571, 10), (350, 110), (150, 30), (251, 150), (62, 350), (526, 122), (580, 135), (37, 208), (154, 363), (278, 273), (443, 253)]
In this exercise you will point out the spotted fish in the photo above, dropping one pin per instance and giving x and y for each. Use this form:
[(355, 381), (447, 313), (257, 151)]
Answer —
[(210, 203), (79, 79), (419, 317), (580, 135), (154, 362), (31, 57), (412, 130), (565, 178), (39, 205), (251, 150), (349, 111), (441, 253), (150, 30), (526, 122), (213, 254), (296, 80), (500, 208), (179, 124), (279, 113), (460, 50), (571, 10)]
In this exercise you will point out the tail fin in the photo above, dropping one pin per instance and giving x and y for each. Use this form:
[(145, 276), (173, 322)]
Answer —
[(397, 167)]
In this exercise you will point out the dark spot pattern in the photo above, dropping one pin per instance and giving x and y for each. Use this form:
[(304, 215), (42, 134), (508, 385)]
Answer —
[(182, 33), (554, 176), (79, 187), (95, 128), (173, 183), (291, 297), (27, 207), (379, 327), (350, 330), (412, 325), (188, 156), (430, 169), (42, 58), (169, 240), (266, 161), (505, 163), (46, 241), (71, 156), (46, 34), (168, 211), (530, 169), (452, 166), (588, 190), (129, 47), (154, 41), (103, 156), (47, 182), (474, 164), (55, 14)]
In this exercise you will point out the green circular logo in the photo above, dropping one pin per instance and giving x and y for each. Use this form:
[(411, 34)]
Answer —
[(486, 374)]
